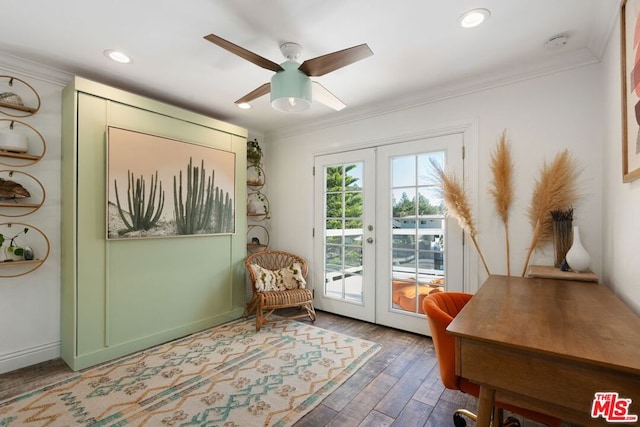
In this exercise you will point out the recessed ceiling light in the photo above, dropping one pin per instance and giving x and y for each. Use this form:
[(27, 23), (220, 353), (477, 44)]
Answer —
[(116, 55), (474, 17), (244, 105)]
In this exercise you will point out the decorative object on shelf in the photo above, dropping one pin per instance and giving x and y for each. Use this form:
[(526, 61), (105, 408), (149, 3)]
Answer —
[(502, 190), (257, 238), (28, 253), (20, 193), (554, 190), (11, 190), (20, 143), (257, 206), (252, 206), (257, 202), (254, 153), (13, 252), (562, 234), (14, 142), (577, 257), (255, 177), (19, 250), (13, 99)]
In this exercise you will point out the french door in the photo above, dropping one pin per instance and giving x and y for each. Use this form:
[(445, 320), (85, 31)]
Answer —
[(382, 242)]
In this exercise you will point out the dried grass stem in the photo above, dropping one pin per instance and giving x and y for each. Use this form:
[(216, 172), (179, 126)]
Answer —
[(554, 190), (458, 206), (502, 189)]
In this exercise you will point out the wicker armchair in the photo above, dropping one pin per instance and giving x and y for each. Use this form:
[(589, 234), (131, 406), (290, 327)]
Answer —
[(265, 303)]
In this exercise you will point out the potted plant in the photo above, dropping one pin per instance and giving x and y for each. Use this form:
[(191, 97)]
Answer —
[(13, 252), (254, 153)]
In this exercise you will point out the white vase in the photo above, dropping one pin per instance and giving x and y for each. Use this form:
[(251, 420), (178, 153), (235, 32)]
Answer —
[(577, 257)]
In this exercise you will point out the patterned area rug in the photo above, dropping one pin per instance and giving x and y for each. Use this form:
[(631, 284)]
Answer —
[(228, 376)]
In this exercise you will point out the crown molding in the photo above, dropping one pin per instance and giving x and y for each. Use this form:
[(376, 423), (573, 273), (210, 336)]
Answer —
[(482, 82), (24, 67)]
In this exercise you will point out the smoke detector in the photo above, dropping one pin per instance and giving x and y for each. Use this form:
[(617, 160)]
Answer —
[(557, 42)]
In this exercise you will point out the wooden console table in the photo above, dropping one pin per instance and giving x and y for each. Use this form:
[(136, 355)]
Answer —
[(548, 345)]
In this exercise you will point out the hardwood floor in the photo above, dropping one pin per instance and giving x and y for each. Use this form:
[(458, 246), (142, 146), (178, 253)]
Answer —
[(399, 386)]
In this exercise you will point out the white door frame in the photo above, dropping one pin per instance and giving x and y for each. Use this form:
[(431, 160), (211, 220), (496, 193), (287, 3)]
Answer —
[(469, 129), (386, 314), (365, 309)]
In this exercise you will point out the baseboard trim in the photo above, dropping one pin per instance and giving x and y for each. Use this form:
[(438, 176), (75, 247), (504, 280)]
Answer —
[(29, 356)]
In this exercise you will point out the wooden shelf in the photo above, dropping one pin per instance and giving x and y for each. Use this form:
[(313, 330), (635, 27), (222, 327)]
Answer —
[(17, 263), (550, 272), (19, 205), (19, 155), (37, 240), (18, 107), (24, 159), (30, 111)]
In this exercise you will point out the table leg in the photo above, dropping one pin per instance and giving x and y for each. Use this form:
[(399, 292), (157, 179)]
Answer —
[(485, 406)]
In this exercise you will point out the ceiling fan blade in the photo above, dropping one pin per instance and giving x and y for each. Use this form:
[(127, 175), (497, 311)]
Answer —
[(322, 95), (244, 53), (256, 93), (324, 64)]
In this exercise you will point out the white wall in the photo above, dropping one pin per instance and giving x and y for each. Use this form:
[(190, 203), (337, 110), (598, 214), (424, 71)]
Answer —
[(30, 304), (620, 223), (542, 116)]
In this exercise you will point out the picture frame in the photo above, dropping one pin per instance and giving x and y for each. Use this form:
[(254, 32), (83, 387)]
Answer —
[(630, 82), (164, 187)]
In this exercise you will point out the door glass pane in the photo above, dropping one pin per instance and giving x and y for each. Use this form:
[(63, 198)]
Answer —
[(343, 232), (417, 229)]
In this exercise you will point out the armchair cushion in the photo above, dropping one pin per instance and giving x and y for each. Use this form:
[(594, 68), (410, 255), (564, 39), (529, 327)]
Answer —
[(289, 277)]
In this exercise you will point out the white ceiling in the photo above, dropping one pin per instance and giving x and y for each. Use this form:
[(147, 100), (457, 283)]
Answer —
[(420, 51)]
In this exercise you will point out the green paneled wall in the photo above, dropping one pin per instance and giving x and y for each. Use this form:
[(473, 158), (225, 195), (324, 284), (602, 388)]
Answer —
[(120, 296)]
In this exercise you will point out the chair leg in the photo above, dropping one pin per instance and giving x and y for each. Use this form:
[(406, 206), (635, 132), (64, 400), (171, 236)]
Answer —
[(459, 421), (259, 313), (250, 307), (511, 422), (498, 414), (311, 311)]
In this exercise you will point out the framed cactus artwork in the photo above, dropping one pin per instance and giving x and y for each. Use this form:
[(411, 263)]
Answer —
[(162, 187)]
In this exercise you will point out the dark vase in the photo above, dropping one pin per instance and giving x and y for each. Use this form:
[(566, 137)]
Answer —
[(562, 234)]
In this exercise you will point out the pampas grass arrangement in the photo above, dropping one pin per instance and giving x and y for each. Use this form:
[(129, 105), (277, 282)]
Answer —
[(554, 190), (457, 205), (502, 189)]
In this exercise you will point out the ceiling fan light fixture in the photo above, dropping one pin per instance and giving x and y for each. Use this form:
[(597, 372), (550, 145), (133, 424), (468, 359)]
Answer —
[(243, 105), (291, 89), (474, 17)]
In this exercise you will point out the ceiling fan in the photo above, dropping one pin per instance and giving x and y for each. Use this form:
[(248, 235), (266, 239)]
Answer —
[(291, 87)]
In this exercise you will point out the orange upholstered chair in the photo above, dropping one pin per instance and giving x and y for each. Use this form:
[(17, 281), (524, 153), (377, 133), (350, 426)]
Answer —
[(440, 309)]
